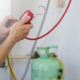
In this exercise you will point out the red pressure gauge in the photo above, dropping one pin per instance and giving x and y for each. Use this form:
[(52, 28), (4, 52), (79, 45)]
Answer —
[(26, 13)]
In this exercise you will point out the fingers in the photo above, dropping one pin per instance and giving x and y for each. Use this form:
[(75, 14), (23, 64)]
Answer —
[(23, 21), (10, 18), (29, 26), (26, 34)]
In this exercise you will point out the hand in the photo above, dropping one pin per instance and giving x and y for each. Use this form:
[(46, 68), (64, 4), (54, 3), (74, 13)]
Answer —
[(5, 25), (20, 30)]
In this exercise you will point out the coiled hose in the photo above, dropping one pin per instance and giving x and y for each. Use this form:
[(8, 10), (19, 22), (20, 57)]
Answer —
[(10, 66), (53, 26)]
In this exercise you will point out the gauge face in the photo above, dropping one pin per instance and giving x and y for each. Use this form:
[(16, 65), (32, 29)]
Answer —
[(24, 15)]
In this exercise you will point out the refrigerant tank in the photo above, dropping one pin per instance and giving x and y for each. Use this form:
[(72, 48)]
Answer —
[(47, 67)]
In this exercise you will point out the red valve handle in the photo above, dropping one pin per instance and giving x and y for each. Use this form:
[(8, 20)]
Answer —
[(53, 27)]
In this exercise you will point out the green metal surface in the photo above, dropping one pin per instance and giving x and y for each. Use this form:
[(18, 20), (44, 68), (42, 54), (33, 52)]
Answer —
[(46, 67)]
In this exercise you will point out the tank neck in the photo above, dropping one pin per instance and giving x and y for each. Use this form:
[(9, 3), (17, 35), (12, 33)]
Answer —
[(43, 52)]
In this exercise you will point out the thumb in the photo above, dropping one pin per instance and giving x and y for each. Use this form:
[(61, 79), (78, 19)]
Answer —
[(24, 20)]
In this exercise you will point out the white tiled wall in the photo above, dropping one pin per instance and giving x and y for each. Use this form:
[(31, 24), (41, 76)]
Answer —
[(5, 8)]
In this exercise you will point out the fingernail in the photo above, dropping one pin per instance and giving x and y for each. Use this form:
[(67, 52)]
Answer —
[(28, 17)]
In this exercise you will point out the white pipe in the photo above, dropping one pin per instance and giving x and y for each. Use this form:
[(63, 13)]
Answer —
[(19, 57)]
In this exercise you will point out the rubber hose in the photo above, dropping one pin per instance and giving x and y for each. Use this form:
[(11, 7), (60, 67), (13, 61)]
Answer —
[(53, 27), (10, 66)]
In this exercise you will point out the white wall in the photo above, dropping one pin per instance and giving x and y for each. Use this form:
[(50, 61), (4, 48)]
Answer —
[(65, 36), (5, 8)]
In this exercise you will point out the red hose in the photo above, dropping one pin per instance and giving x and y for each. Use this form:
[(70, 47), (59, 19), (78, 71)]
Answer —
[(53, 27)]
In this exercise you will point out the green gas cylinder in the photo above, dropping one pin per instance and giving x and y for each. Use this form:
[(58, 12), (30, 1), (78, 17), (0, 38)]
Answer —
[(47, 67)]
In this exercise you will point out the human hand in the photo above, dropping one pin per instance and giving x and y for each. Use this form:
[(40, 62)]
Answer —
[(5, 25), (20, 30)]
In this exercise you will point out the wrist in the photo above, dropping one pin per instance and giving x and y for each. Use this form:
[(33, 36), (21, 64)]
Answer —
[(11, 38)]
